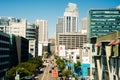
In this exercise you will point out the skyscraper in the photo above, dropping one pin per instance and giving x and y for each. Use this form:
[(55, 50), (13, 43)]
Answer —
[(59, 27), (42, 36), (42, 31), (84, 23), (71, 18)]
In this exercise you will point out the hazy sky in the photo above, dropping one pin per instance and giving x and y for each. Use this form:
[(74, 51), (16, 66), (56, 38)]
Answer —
[(49, 9)]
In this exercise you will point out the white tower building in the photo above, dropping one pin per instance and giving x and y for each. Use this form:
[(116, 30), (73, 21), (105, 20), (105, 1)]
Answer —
[(42, 36), (71, 18), (42, 31)]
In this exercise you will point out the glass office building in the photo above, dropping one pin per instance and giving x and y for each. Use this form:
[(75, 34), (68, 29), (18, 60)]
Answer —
[(103, 21), (4, 54)]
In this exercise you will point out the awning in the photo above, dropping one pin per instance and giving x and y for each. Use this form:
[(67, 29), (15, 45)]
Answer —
[(113, 42)]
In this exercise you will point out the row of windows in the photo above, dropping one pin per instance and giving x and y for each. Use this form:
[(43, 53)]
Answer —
[(104, 16), (3, 45), (104, 23), (105, 12), (4, 38), (5, 66), (73, 40), (4, 52), (97, 19), (2, 60), (105, 27)]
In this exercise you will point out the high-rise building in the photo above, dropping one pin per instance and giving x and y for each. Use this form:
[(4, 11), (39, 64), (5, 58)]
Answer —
[(42, 31), (42, 36), (84, 23), (71, 18), (31, 35), (59, 27), (4, 54), (103, 21)]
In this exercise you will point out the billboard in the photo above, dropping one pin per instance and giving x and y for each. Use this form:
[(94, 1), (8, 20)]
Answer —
[(61, 50), (40, 49)]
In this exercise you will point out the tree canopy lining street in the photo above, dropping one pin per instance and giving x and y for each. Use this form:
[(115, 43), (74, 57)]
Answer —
[(25, 68)]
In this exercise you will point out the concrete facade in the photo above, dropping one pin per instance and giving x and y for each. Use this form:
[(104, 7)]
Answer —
[(72, 40), (108, 56)]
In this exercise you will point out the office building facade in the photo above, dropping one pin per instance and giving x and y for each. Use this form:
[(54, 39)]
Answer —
[(72, 40), (32, 36), (20, 27), (14, 26), (19, 47), (17, 28), (42, 31), (103, 21), (42, 36), (84, 23), (4, 54), (8, 20), (59, 27)]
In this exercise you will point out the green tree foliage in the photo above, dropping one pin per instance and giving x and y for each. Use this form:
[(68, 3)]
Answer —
[(23, 72), (11, 73), (25, 68), (37, 60), (60, 62), (30, 67), (66, 73), (77, 65)]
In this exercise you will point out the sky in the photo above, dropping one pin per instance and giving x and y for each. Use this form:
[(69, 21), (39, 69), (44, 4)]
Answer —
[(50, 10)]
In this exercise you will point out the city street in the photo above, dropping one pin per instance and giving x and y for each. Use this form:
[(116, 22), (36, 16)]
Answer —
[(47, 75)]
